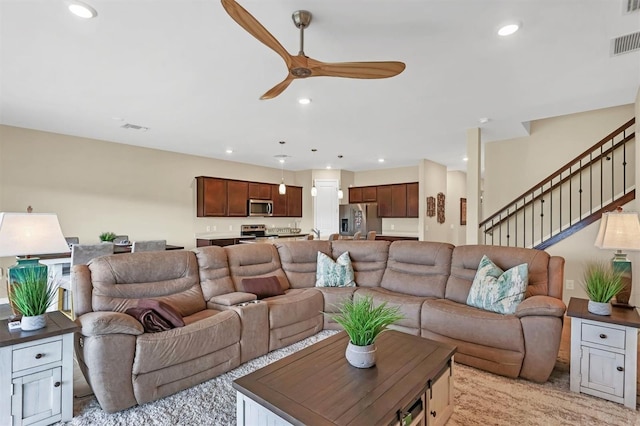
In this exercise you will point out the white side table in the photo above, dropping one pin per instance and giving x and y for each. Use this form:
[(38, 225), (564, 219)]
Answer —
[(36, 373), (604, 352)]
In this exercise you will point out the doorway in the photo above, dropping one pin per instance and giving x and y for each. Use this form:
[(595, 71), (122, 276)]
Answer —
[(326, 207)]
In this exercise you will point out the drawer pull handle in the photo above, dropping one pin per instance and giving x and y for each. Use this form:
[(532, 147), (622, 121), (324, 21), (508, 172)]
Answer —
[(433, 413), (38, 356), (619, 368), (57, 384), (603, 336)]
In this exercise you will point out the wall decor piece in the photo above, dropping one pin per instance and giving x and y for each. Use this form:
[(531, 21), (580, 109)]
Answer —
[(440, 207), (431, 206), (463, 211)]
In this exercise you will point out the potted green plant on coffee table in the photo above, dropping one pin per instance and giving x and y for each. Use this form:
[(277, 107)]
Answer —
[(31, 293), (364, 322), (601, 283)]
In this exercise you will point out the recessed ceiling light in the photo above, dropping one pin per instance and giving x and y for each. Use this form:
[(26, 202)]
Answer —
[(508, 29), (328, 167), (229, 151), (304, 101), (82, 10), (483, 120), (281, 160), (465, 159), (380, 160)]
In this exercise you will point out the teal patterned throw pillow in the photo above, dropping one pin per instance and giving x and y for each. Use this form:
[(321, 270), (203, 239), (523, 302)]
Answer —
[(334, 274), (496, 290)]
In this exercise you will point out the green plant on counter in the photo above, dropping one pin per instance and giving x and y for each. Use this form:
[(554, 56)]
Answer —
[(601, 282), (363, 322), (107, 236), (32, 292)]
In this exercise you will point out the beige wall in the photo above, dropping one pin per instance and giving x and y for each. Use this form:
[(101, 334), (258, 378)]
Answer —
[(553, 142)]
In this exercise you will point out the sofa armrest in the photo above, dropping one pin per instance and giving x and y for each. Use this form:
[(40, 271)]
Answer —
[(101, 323), (541, 306), (234, 298)]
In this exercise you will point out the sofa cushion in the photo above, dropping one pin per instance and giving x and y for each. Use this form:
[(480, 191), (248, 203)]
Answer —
[(369, 259), (334, 273), (466, 323), (465, 261), (120, 280), (299, 260), (420, 268), (496, 290), (262, 286), (252, 261), (214, 271)]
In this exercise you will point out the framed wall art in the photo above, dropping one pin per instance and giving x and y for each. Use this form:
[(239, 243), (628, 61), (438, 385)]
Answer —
[(431, 206), (463, 211), (440, 207)]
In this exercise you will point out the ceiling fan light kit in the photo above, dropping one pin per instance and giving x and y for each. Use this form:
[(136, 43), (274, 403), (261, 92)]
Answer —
[(300, 65)]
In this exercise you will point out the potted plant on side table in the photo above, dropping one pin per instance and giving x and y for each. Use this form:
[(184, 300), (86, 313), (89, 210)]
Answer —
[(363, 323), (32, 293), (601, 283)]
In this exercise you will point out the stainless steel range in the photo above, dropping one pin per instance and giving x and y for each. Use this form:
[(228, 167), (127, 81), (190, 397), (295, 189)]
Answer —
[(258, 231)]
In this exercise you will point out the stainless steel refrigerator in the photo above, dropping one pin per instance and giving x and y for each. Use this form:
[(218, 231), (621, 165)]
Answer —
[(359, 217)]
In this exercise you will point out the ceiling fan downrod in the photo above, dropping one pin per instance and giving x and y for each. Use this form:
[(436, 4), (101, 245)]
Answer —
[(301, 19)]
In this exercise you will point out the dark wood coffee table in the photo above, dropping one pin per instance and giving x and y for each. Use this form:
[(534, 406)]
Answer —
[(317, 386)]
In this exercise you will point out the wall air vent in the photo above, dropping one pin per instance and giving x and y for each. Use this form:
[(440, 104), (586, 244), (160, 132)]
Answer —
[(633, 5), (134, 127), (625, 44)]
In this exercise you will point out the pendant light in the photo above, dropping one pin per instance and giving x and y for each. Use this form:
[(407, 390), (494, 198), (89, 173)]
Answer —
[(340, 194), (314, 190), (282, 189)]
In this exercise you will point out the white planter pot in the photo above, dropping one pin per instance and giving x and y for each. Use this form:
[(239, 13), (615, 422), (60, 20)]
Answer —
[(361, 356), (33, 323), (599, 308)]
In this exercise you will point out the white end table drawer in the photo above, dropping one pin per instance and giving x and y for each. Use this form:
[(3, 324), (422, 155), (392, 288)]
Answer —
[(607, 336), (37, 355)]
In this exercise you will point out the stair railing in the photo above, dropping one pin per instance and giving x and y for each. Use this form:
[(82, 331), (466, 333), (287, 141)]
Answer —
[(597, 180)]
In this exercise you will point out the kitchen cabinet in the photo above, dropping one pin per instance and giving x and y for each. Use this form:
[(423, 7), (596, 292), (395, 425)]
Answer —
[(413, 208), (237, 196), (36, 373), (217, 197), (399, 200), (355, 194), (211, 196), (294, 201), (604, 351), (259, 191), (279, 202), (384, 201)]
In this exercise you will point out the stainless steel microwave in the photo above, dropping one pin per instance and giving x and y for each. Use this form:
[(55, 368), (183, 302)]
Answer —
[(260, 208)]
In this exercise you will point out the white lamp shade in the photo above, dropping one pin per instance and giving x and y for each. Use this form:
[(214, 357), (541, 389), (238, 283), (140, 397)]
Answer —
[(314, 191), (282, 189), (619, 231), (24, 234), (340, 194)]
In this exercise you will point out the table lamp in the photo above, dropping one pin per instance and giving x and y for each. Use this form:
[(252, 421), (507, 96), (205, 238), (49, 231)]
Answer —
[(620, 231), (27, 234)]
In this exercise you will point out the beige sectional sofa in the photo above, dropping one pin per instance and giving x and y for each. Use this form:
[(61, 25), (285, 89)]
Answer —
[(225, 326)]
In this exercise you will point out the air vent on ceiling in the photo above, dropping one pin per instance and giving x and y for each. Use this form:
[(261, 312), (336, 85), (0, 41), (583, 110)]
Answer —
[(625, 44), (633, 5), (134, 127)]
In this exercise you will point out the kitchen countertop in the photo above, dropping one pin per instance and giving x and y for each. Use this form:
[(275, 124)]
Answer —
[(230, 235)]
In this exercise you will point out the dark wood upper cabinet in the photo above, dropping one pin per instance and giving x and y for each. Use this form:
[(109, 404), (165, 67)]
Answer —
[(211, 197), (369, 194), (279, 202), (355, 194), (237, 195), (413, 208), (294, 201), (399, 200), (259, 191), (384, 201)]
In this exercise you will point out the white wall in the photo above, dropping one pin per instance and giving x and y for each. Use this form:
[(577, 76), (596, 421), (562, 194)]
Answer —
[(456, 189)]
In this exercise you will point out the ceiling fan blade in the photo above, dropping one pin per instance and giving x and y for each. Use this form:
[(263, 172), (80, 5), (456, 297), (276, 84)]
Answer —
[(359, 69), (278, 88), (255, 28)]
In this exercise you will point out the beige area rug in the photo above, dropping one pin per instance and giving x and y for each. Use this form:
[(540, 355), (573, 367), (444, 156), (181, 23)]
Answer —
[(481, 399)]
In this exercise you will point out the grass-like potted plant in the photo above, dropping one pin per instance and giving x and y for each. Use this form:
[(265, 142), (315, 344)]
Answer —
[(32, 293), (107, 237), (364, 322), (601, 283)]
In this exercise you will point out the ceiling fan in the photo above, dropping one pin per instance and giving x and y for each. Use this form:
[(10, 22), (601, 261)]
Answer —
[(300, 65)]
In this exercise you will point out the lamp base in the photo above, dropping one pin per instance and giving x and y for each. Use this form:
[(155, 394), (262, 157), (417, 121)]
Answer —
[(622, 265), (16, 271)]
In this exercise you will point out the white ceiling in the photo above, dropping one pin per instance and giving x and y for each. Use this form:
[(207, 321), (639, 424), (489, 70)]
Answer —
[(193, 76)]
